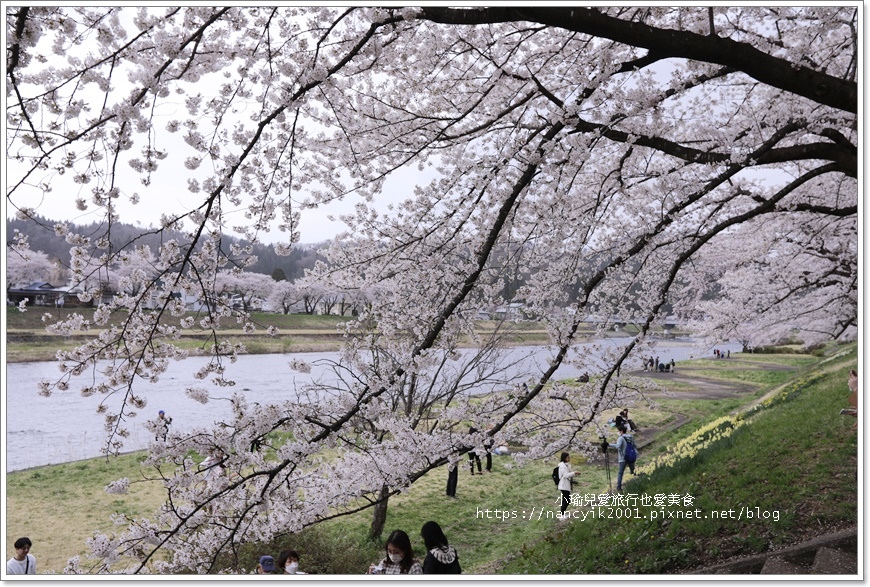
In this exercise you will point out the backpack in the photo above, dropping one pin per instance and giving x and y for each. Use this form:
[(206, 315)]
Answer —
[(556, 476), (630, 451)]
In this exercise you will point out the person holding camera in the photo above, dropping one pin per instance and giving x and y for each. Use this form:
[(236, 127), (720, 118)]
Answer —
[(163, 423), (566, 480), (400, 557)]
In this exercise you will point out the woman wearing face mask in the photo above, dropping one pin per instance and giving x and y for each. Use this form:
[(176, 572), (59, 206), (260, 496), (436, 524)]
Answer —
[(289, 561), (400, 557)]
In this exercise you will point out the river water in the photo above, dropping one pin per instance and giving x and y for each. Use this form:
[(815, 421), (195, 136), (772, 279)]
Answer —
[(66, 427)]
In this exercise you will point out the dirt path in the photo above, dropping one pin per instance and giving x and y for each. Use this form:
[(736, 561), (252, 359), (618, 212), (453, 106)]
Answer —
[(705, 388)]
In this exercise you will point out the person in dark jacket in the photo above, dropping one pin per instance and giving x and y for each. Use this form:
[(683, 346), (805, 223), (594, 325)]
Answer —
[(441, 559)]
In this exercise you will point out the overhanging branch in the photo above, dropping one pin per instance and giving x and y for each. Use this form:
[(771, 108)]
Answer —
[(779, 73)]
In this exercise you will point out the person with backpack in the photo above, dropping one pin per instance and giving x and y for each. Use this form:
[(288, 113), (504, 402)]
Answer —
[(627, 453), (564, 478)]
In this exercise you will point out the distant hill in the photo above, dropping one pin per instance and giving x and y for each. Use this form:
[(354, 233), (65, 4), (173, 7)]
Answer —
[(43, 238)]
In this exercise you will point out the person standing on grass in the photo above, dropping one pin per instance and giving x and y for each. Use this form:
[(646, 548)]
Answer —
[(852, 382), (473, 456), (452, 474), (23, 563), (441, 559), (566, 480), (621, 443), (163, 423)]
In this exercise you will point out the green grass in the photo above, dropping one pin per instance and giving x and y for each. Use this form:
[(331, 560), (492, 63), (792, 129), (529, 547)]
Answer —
[(758, 377), (798, 360), (32, 319), (479, 536), (696, 414), (797, 458), (28, 341), (59, 507)]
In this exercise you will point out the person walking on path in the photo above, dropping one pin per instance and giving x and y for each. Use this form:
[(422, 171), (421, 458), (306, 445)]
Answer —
[(441, 558), (566, 479), (621, 443), (23, 563)]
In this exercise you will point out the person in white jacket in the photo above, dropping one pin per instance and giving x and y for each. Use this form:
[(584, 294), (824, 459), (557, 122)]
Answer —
[(566, 479), (23, 563)]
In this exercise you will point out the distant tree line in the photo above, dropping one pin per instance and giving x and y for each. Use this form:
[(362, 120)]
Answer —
[(508, 261), (42, 237)]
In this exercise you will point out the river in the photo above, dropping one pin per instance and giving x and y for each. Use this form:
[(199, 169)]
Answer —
[(65, 427)]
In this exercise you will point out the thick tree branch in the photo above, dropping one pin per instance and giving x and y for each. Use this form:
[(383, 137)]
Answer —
[(773, 71)]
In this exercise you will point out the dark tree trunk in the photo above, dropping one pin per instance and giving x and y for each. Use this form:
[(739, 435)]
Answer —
[(379, 518)]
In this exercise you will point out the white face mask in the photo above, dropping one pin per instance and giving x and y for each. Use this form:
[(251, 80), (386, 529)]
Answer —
[(396, 557), (291, 568)]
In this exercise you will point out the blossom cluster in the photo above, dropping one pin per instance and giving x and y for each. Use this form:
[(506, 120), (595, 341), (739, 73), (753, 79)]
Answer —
[(614, 190)]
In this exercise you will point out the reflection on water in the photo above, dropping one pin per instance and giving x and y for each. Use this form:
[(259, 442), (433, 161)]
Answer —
[(66, 427)]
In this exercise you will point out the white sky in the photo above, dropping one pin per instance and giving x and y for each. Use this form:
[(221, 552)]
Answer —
[(168, 193)]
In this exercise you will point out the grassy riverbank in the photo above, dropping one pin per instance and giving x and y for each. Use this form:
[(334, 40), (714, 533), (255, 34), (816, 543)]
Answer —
[(791, 461), (797, 457), (27, 339)]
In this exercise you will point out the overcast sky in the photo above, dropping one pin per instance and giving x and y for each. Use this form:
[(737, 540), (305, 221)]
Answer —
[(168, 194)]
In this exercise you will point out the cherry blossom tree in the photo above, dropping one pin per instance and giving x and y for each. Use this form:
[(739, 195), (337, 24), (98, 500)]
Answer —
[(350, 303), (285, 296), (618, 158), (433, 399), (135, 270), (25, 267), (312, 293), (248, 287)]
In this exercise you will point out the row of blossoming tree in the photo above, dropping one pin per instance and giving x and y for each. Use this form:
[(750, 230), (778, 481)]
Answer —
[(630, 158)]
